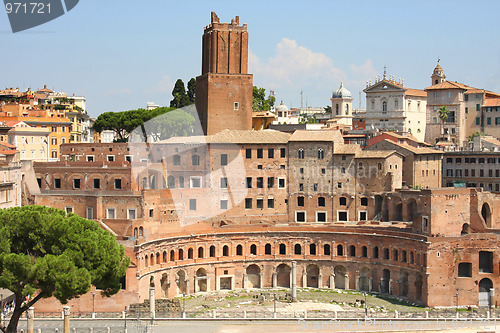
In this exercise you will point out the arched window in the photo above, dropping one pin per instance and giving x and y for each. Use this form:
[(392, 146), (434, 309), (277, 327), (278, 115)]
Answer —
[(301, 153), (253, 249), (386, 254), (200, 252), (146, 261), (239, 250), (343, 201), (352, 250), (384, 106), (181, 182), (395, 255), (403, 256), (181, 254), (312, 249), (172, 255), (171, 182), (340, 250), (337, 109), (380, 166), (177, 160), (225, 251), (190, 253), (412, 258), (282, 249), (346, 108), (321, 201), (321, 153), (326, 249), (141, 231), (364, 252), (375, 252), (298, 249), (212, 251), (135, 232), (267, 249), (164, 256), (158, 260)]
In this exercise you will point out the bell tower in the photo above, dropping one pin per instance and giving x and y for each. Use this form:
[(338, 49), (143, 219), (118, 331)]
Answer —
[(438, 75), (224, 88)]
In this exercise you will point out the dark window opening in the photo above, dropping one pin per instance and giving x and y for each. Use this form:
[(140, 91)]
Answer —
[(465, 269), (485, 262), (267, 249), (282, 249), (297, 249)]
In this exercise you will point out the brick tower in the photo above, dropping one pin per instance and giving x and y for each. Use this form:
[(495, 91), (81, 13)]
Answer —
[(224, 88)]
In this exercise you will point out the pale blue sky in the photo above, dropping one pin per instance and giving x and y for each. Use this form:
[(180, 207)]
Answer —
[(121, 54)]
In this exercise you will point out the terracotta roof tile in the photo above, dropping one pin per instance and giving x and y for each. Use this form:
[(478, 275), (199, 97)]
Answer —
[(492, 102), (416, 92), (318, 135), (375, 153), (449, 85)]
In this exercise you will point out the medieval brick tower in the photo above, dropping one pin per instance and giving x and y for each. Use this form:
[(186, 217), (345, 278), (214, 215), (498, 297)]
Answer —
[(224, 88)]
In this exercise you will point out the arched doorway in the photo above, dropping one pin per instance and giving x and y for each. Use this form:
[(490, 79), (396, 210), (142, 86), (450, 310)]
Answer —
[(340, 273), (384, 283), (403, 283), (486, 214), (484, 292), (418, 287), (312, 272), (164, 285), (378, 207), (411, 208), (253, 276), (398, 211), (283, 275), (181, 282), (201, 280), (364, 279)]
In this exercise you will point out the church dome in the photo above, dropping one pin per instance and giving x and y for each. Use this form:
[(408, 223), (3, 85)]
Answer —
[(341, 92), (282, 107)]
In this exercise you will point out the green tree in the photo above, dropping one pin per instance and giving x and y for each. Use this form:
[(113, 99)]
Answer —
[(443, 115), (328, 109), (45, 252), (260, 102), (191, 91), (180, 99)]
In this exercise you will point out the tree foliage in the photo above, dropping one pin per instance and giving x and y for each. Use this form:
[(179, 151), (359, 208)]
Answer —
[(328, 109), (45, 252), (124, 122), (174, 123), (181, 97), (260, 102), (443, 115)]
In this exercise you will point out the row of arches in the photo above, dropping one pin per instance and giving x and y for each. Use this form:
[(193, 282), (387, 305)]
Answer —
[(340, 250)]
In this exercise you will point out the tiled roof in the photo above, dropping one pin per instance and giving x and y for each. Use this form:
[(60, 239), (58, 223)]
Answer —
[(8, 152), (414, 150), (491, 140), (8, 145), (416, 92), (375, 153), (319, 135), (346, 149), (253, 137), (449, 85), (263, 114), (492, 102)]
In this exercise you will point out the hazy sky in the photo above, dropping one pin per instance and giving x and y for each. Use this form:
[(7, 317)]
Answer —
[(121, 54)]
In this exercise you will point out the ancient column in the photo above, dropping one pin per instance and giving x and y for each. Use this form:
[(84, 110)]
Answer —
[(30, 314), (275, 280), (320, 280), (370, 284), (245, 281), (261, 280), (346, 277), (66, 313), (152, 301), (332, 281), (294, 281), (492, 298), (304, 279)]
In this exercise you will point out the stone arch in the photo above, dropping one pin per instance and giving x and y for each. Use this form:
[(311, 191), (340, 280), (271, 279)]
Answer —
[(181, 282), (486, 214), (484, 292), (364, 279), (465, 229), (403, 283), (283, 272), (398, 210), (411, 209), (253, 276), (312, 272), (202, 280), (171, 181), (340, 277), (385, 281), (418, 287), (136, 232)]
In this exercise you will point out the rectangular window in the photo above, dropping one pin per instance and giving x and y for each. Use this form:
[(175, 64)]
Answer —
[(260, 153), (195, 182), (478, 121), (270, 203), (192, 204), (300, 216), (260, 182), (90, 158), (270, 182), (435, 94), (195, 160), (300, 201), (248, 153), (488, 121), (223, 159), (485, 262), (363, 215), (260, 203), (465, 269), (320, 216), (223, 182), (68, 209), (177, 160), (281, 182), (111, 158), (97, 183), (342, 215), (282, 152), (111, 213), (131, 213), (76, 183), (270, 153), (57, 183), (118, 184), (249, 182), (223, 204), (248, 203), (315, 187), (466, 110), (236, 106), (129, 158), (90, 213)]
